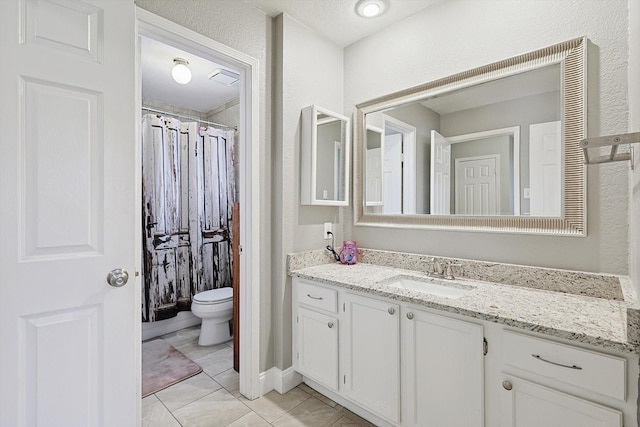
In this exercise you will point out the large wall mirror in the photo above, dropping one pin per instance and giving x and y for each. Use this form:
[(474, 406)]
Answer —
[(495, 148)]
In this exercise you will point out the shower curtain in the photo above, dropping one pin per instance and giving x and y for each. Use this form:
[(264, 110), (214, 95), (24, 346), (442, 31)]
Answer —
[(188, 185)]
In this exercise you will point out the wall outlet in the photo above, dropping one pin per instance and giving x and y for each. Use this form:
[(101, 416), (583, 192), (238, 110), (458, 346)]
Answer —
[(327, 230)]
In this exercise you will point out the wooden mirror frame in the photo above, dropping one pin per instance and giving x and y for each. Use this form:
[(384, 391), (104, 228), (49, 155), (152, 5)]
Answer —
[(572, 57)]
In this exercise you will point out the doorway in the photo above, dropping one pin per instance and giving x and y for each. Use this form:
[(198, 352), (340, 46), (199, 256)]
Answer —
[(163, 31)]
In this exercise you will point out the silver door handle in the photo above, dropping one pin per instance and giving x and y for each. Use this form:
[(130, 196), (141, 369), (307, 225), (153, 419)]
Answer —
[(117, 277)]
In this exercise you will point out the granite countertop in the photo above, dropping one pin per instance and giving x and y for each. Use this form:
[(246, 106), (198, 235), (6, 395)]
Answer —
[(596, 321)]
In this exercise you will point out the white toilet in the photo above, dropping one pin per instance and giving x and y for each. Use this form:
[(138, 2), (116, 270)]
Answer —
[(215, 308)]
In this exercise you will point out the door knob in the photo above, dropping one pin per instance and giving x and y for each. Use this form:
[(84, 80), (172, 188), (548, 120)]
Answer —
[(391, 310), (117, 277), (507, 385), (409, 315)]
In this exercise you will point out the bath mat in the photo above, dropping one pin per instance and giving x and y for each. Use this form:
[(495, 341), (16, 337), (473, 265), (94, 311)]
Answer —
[(163, 366)]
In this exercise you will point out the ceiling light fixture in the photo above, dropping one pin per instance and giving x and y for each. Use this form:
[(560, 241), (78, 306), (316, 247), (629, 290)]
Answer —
[(371, 8), (180, 72)]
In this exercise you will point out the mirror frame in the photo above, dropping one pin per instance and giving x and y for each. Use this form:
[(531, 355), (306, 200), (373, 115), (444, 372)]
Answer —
[(572, 57)]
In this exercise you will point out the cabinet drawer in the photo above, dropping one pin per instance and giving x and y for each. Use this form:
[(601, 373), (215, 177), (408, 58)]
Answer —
[(596, 372), (317, 296)]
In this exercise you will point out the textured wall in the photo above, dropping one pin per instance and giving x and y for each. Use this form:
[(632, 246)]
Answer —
[(247, 29), (308, 70), (457, 35), (634, 126)]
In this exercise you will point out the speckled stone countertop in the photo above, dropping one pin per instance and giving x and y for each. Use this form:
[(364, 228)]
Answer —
[(592, 320)]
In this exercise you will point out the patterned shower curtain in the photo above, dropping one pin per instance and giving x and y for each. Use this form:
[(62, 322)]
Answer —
[(188, 185)]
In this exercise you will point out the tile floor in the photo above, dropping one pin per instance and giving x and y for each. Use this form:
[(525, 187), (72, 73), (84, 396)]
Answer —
[(212, 399)]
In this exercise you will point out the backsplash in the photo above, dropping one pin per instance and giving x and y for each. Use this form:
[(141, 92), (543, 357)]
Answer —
[(572, 282)]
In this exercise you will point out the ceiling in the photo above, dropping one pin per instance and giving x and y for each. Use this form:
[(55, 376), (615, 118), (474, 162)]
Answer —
[(336, 20), (200, 94), (534, 82)]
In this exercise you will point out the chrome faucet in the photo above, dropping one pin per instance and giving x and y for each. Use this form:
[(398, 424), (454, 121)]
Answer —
[(435, 269)]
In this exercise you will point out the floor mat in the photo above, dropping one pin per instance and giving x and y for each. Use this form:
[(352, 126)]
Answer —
[(163, 366)]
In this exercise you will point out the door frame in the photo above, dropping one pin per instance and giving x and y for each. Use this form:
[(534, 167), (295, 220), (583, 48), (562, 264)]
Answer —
[(513, 132), (160, 29)]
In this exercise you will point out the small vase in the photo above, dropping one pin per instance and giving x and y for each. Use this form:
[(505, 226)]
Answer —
[(349, 252)]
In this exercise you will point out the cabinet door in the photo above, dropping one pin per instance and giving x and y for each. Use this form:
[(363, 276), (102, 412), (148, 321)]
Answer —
[(442, 371), (371, 349), (526, 404), (317, 347)]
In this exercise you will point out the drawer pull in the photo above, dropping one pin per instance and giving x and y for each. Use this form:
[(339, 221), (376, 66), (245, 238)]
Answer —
[(391, 310), (330, 325), (537, 356), (507, 385), (312, 297)]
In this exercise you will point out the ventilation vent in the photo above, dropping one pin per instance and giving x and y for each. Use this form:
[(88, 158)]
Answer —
[(224, 77)]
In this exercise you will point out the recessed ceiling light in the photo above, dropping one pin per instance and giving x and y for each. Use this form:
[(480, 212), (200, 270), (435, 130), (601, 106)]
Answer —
[(180, 72), (371, 8)]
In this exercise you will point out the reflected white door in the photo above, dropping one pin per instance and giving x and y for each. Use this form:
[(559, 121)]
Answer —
[(374, 177), (392, 179), (545, 169), (476, 185), (68, 209), (440, 174)]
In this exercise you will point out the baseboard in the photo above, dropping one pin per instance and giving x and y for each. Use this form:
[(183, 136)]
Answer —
[(278, 380)]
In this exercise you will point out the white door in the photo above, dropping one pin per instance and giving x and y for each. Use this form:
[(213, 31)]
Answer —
[(392, 179), (477, 186), (371, 347), (545, 169), (442, 371), (527, 404), (374, 177), (440, 174), (69, 208)]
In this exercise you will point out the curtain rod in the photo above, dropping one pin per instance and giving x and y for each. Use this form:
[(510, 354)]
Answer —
[(182, 116)]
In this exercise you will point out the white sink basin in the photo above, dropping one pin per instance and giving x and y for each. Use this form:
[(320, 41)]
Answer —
[(430, 286)]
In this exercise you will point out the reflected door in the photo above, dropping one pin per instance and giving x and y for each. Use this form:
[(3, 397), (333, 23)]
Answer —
[(477, 186), (545, 169), (392, 174), (440, 174)]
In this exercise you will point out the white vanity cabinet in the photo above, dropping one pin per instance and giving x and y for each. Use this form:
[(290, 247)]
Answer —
[(442, 370), (545, 383), (316, 333), (371, 354)]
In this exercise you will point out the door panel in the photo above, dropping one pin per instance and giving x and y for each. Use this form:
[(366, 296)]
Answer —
[(545, 169), (440, 174), (68, 213)]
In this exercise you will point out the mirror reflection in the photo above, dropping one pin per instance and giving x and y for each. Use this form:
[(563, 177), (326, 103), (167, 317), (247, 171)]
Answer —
[(485, 150), (330, 156)]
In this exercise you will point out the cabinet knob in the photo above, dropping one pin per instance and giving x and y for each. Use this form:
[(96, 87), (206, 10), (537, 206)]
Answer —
[(409, 315), (391, 310), (507, 385), (330, 324)]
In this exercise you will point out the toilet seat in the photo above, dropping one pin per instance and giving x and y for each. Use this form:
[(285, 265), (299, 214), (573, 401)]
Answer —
[(214, 296)]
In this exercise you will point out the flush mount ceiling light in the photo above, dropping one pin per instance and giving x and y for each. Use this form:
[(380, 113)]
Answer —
[(180, 72), (371, 8)]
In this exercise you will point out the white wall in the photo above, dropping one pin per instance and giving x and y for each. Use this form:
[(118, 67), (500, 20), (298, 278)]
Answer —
[(456, 35), (308, 70), (247, 29), (634, 126)]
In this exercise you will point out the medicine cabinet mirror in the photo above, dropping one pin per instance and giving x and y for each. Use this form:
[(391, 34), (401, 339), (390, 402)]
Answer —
[(495, 148), (324, 165)]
